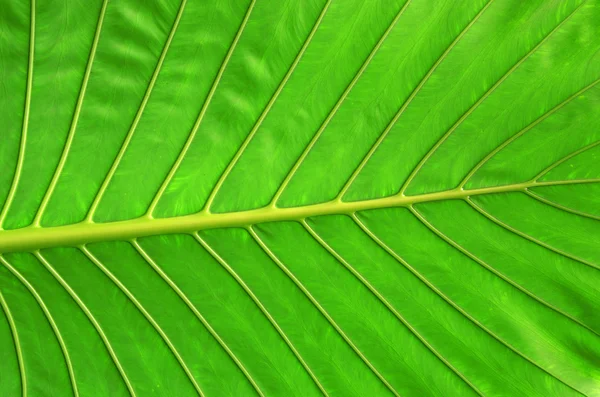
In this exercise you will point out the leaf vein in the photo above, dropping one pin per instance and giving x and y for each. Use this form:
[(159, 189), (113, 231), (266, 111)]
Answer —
[(71, 135), (528, 237), (566, 158), (312, 299), (559, 206), (161, 273), (23, 144), (267, 109), (496, 272), (451, 302), (336, 107), (489, 92), (408, 101), (525, 130), (203, 110), (15, 336), (96, 201), (262, 308), (388, 305), (90, 317), (52, 323), (147, 315)]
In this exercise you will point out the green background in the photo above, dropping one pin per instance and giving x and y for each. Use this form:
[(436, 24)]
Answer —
[(137, 110)]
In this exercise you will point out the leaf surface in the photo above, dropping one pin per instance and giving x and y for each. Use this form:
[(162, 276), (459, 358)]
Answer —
[(300, 197)]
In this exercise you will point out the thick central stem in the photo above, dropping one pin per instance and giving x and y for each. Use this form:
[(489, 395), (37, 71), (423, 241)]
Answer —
[(34, 238)]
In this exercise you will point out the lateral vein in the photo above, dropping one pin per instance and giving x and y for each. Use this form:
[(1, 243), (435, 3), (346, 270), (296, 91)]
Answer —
[(25, 126)]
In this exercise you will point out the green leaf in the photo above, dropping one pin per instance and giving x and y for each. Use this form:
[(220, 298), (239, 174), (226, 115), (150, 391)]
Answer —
[(300, 197)]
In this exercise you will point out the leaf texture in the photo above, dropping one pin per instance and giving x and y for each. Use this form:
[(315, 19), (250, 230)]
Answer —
[(300, 197)]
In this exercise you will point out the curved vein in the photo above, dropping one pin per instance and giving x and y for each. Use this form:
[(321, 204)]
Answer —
[(267, 109), (559, 206), (17, 343), (408, 101), (197, 313), (312, 299), (147, 315), (451, 302), (490, 268), (387, 304), (262, 308), (49, 318), (90, 317), (63, 158), (528, 237), (203, 110), (90, 215), (563, 159), (336, 107), (466, 114), (25, 126), (524, 131)]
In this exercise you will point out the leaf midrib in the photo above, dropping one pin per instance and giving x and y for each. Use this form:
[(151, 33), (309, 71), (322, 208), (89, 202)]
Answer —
[(35, 237)]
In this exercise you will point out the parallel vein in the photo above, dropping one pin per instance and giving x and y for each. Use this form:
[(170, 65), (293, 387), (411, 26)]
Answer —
[(63, 158), (266, 110), (147, 315), (388, 305), (91, 318), (25, 126), (497, 221), (408, 101), (203, 110), (138, 116), (414, 271), (489, 92), (262, 308), (312, 299), (560, 206), (17, 343), (336, 107), (197, 313), (496, 272), (528, 128), (48, 315)]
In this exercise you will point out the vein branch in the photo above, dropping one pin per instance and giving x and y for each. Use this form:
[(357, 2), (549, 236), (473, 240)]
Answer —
[(506, 226), (49, 318), (528, 128), (266, 110), (415, 272), (496, 272), (388, 305), (63, 158), (147, 315), (320, 308), (262, 308), (138, 116), (408, 101), (336, 107), (90, 317), (25, 126), (560, 206), (161, 273), (489, 92), (203, 110), (15, 336), (564, 159)]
